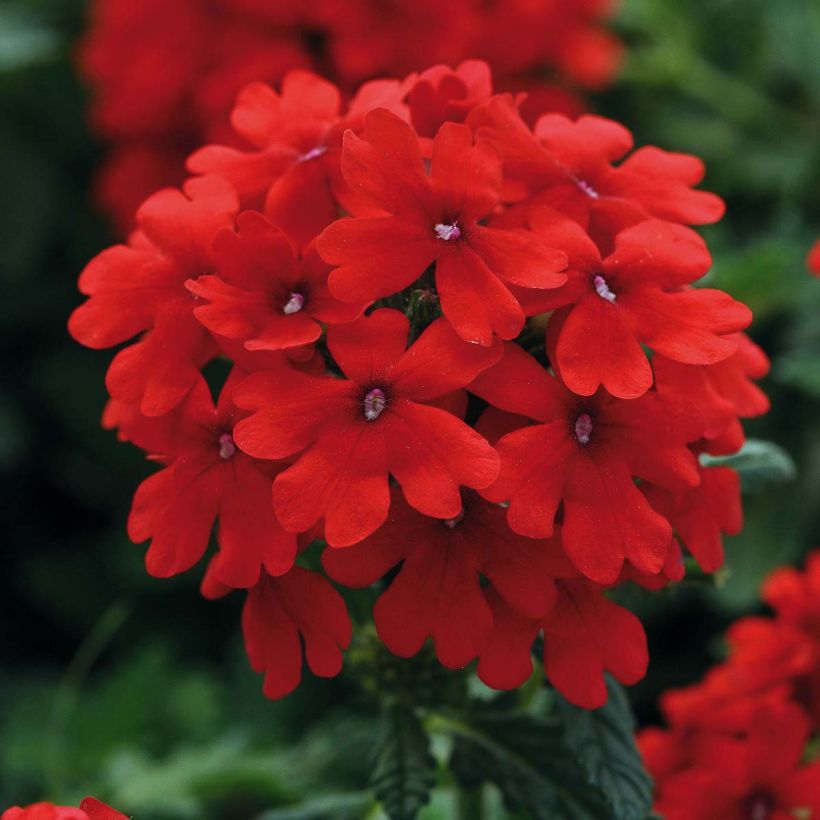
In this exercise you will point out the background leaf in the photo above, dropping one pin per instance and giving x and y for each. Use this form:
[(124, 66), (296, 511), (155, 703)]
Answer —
[(758, 462), (527, 758), (404, 770), (604, 741)]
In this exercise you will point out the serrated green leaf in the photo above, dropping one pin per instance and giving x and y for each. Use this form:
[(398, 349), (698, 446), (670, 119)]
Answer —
[(758, 463), (404, 771), (604, 741), (527, 758)]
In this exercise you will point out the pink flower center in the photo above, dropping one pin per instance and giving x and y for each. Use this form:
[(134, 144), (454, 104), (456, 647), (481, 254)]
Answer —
[(583, 428), (314, 153), (227, 448), (447, 232), (374, 404), (587, 189), (452, 523), (602, 289), (294, 304)]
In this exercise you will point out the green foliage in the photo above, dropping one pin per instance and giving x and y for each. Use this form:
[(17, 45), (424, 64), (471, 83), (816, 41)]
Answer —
[(562, 763), (525, 756), (604, 742), (404, 768), (758, 463)]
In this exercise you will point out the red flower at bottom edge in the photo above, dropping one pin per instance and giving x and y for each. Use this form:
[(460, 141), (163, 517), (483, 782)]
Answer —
[(90, 809)]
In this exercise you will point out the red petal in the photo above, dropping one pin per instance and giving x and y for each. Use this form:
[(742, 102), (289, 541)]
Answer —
[(370, 347), (439, 362), (689, 327), (386, 166), (290, 409), (506, 660), (518, 257), (465, 177), (176, 509), (343, 478), (596, 346), (474, 300), (519, 384), (183, 225), (375, 257), (607, 520), (301, 202), (533, 467), (431, 454), (586, 635)]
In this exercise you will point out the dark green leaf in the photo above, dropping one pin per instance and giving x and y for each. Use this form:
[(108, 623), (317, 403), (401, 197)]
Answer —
[(527, 758), (758, 463), (604, 741), (404, 770)]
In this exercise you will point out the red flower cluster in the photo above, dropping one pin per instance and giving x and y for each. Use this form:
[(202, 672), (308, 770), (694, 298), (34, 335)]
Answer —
[(490, 381), (90, 809), (737, 748), (164, 75)]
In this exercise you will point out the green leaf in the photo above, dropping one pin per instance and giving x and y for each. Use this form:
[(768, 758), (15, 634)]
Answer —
[(604, 741), (758, 463), (347, 806), (404, 771), (527, 758)]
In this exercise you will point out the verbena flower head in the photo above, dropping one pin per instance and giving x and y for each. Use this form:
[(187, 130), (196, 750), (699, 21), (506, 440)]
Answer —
[(468, 356)]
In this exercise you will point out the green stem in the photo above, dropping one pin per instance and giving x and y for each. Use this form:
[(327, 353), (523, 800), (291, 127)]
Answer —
[(68, 691)]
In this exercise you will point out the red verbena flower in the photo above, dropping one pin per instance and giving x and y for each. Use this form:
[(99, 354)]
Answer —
[(584, 633), (292, 167), (584, 452), (756, 777), (280, 616), (90, 809), (207, 479), (430, 219), (262, 294), (141, 287), (569, 166), (438, 591), (350, 433), (636, 296)]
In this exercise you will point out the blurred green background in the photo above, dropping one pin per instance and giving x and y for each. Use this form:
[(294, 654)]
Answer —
[(137, 690)]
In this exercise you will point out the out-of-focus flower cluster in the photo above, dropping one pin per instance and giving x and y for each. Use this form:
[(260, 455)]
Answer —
[(485, 388), (742, 744), (90, 809), (164, 75)]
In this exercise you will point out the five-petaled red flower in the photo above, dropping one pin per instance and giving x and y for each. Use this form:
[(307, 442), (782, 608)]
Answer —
[(434, 218), (584, 453), (350, 434)]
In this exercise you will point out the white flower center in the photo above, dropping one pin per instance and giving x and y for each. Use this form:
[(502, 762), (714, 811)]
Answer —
[(227, 448), (294, 304), (583, 428), (447, 232), (374, 404), (602, 289)]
